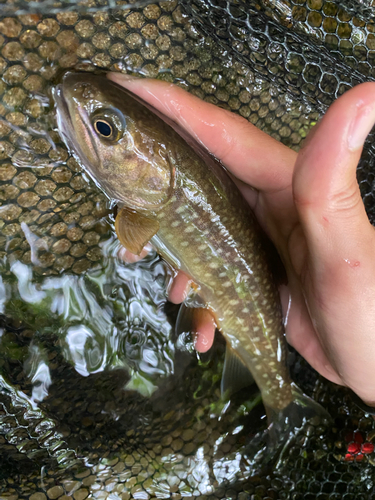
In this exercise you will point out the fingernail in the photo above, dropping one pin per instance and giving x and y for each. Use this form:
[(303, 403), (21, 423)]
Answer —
[(361, 126)]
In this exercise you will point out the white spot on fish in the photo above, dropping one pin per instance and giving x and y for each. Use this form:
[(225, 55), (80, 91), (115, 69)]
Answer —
[(233, 302)]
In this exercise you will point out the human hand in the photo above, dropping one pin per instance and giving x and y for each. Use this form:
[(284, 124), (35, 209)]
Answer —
[(310, 206)]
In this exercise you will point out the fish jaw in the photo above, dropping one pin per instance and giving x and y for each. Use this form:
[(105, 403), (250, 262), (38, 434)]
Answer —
[(69, 127)]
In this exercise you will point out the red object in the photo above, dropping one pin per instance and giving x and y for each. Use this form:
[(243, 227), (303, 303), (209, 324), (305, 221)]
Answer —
[(354, 448), (357, 449), (367, 448)]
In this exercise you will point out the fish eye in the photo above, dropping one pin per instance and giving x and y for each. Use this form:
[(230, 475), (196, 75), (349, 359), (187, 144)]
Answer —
[(103, 128), (109, 124)]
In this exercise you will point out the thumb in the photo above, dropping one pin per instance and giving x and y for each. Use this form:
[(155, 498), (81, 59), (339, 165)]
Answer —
[(325, 187), (338, 271)]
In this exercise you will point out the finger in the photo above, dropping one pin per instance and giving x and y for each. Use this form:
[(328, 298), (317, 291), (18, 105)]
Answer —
[(301, 334), (179, 288), (325, 188), (250, 154), (205, 330), (339, 273), (130, 258), (204, 325)]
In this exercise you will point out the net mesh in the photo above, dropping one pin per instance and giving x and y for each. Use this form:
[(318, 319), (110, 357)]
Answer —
[(279, 65)]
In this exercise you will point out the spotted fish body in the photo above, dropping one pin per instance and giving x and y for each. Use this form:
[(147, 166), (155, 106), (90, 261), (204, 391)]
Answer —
[(212, 235), (186, 204)]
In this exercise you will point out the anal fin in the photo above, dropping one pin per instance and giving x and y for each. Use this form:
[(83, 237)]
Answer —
[(236, 375)]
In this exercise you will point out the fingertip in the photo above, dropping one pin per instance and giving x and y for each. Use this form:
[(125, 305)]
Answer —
[(328, 160), (202, 343), (205, 331), (179, 288), (325, 187), (129, 257)]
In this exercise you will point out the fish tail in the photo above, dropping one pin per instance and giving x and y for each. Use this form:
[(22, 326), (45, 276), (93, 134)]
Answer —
[(300, 410), (291, 421), (285, 426)]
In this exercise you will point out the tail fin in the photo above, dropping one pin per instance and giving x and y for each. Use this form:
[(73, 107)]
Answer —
[(285, 426)]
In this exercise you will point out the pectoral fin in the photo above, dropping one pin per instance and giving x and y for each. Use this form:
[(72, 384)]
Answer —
[(188, 315), (135, 230), (235, 376), (198, 321)]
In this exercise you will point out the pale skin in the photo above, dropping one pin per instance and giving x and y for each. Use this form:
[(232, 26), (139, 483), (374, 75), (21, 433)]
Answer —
[(310, 206)]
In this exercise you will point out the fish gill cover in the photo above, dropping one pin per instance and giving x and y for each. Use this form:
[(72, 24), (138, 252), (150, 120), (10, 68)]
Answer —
[(98, 399)]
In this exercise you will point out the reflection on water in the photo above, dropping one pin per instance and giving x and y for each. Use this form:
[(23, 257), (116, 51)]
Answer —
[(112, 316), (37, 370), (98, 399)]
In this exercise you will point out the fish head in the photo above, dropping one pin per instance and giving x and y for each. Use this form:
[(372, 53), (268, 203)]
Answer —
[(116, 138)]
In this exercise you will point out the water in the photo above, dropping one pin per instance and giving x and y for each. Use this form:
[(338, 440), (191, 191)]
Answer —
[(98, 397)]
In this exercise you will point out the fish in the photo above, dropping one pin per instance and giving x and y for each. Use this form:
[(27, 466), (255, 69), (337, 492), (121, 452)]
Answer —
[(238, 56), (179, 199)]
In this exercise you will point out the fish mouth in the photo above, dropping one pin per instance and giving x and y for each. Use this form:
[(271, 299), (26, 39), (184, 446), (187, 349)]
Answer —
[(67, 128), (64, 121)]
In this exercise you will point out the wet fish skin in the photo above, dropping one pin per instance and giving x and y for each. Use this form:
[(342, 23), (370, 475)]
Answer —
[(202, 226)]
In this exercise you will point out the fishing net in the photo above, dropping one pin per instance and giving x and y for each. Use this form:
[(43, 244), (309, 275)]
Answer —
[(77, 326)]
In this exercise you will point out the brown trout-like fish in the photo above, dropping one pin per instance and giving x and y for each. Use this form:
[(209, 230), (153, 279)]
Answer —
[(185, 204)]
